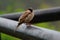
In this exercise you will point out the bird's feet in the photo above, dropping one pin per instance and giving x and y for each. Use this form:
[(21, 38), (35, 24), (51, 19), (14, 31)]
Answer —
[(28, 25)]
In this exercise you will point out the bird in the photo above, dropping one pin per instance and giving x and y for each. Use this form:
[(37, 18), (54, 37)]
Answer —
[(26, 17)]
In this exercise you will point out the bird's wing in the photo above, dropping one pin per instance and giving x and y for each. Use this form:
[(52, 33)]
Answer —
[(23, 16)]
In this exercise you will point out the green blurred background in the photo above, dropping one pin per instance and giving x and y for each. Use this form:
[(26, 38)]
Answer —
[(9, 6)]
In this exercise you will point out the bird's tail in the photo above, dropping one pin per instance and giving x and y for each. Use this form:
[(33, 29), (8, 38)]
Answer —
[(17, 26)]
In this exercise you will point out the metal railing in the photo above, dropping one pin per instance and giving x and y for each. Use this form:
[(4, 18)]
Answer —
[(42, 15), (32, 33)]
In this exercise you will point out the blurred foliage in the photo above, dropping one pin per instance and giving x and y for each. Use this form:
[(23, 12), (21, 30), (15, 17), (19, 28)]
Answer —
[(45, 25), (8, 6), (7, 37), (44, 5)]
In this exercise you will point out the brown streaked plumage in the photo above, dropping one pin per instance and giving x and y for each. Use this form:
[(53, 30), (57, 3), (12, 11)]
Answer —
[(25, 17)]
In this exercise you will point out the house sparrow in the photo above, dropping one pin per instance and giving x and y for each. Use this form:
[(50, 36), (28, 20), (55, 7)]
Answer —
[(26, 17)]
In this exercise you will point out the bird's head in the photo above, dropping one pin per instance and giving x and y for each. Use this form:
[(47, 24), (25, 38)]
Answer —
[(30, 10)]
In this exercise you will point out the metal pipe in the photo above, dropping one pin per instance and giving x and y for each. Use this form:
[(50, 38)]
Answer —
[(43, 15), (31, 33)]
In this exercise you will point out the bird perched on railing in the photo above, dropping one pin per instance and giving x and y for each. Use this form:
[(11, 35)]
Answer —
[(25, 18)]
